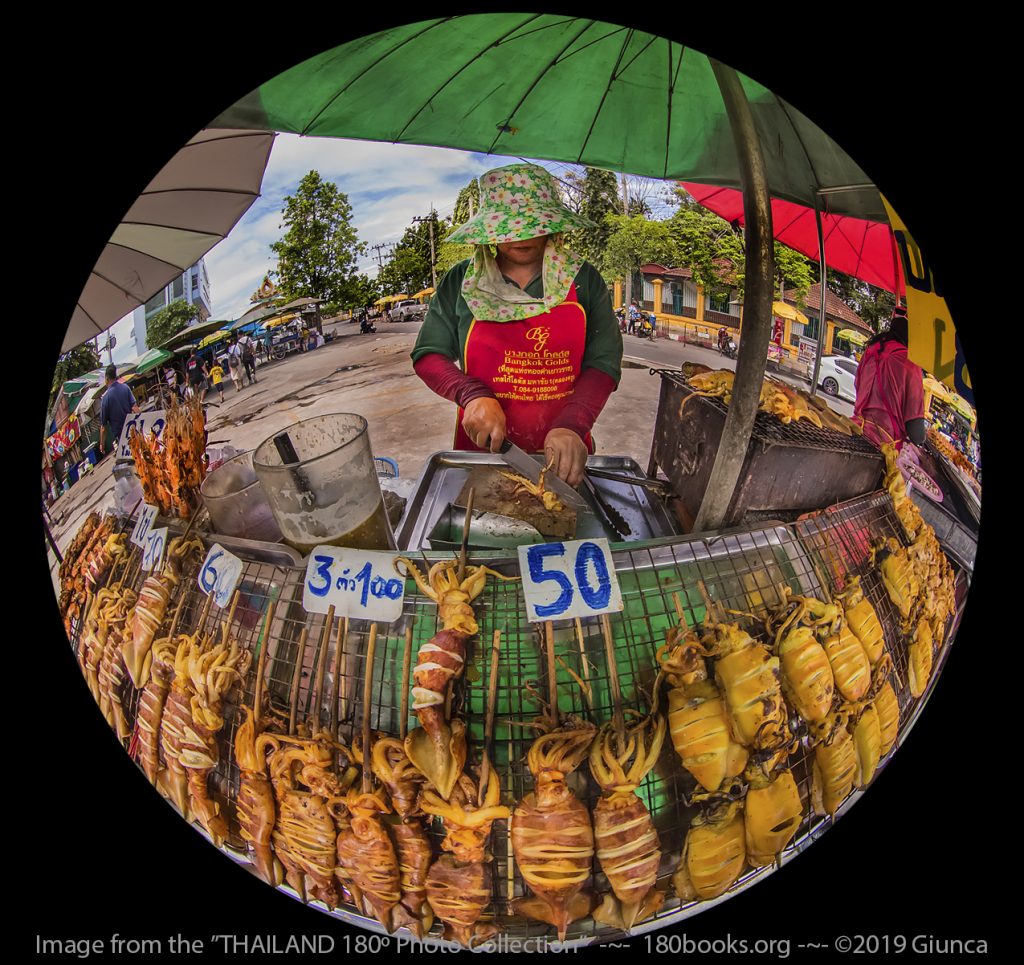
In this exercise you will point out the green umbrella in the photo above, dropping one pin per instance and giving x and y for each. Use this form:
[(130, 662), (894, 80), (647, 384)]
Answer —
[(556, 88), (153, 358)]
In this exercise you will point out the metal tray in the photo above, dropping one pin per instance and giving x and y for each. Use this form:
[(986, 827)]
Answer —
[(445, 473)]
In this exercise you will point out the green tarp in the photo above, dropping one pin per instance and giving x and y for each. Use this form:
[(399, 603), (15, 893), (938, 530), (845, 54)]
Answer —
[(555, 88)]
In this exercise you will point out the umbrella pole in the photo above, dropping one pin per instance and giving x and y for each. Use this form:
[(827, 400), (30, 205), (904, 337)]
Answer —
[(757, 321), (822, 324)]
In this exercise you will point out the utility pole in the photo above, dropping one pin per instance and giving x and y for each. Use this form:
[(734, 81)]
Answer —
[(431, 219), (627, 291), (380, 247)]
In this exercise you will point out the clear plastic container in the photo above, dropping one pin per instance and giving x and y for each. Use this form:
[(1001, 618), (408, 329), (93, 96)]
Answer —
[(237, 504), (332, 494)]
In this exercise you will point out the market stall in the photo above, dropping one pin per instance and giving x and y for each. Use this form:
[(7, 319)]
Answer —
[(340, 660)]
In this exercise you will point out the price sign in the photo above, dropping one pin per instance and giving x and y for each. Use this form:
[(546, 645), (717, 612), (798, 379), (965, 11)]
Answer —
[(153, 549), (219, 574), (358, 583), (144, 422), (142, 525), (575, 579)]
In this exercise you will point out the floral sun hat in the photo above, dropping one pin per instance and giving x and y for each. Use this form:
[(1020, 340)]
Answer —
[(517, 202)]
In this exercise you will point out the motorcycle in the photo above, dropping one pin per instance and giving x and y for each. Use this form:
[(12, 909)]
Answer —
[(366, 327), (727, 348)]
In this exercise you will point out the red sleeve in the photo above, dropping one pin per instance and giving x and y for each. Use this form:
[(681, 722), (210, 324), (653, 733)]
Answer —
[(913, 403), (443, 376), (588, 398)]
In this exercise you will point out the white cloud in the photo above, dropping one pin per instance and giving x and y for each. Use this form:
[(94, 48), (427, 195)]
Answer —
[(386, 184)]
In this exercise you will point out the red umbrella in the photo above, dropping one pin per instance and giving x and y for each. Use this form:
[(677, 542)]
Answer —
[(863, 249)]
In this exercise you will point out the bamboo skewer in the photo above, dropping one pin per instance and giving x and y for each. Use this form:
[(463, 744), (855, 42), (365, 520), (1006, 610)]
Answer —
[(613, 677), (345, 698), (195, 515), (492, 699), (232, 606), (711, 608), (680, 613), (549, 649), (337, 678), (201, 625), (465, 535), (321, 667), (261, 665), (296, 677), (403, 718), (584, 668), (371, 648)]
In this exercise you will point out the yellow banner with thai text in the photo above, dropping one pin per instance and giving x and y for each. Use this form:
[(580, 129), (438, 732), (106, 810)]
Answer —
[(933, 342)]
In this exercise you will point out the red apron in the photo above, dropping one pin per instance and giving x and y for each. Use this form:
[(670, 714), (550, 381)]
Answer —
[(531, 365)]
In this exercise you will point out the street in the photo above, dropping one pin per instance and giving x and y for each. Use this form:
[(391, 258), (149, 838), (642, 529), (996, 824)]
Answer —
[(373, 376)]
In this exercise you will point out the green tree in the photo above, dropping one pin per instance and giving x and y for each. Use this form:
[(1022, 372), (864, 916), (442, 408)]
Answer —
[(169, 321), (76, 361), (317, 256), (874, 305), (364, 291), (593, 195), (706, 244), (633, 242)]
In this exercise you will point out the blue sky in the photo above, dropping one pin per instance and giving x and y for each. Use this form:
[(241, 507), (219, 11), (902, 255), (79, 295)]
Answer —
[(387, 185)]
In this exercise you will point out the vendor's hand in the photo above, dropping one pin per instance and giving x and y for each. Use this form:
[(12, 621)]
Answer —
[(566, 453), (484, 422)]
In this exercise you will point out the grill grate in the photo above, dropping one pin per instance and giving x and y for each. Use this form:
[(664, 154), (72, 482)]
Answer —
[(768, 429), (741, 571)]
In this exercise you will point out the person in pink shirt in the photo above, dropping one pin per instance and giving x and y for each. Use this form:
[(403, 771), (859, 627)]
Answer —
[(890, 389)]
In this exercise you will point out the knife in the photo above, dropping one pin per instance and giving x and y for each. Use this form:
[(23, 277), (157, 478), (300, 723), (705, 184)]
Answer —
[(529, 467)]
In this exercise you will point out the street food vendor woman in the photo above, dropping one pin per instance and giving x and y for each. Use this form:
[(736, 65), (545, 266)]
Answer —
[(530, 324)]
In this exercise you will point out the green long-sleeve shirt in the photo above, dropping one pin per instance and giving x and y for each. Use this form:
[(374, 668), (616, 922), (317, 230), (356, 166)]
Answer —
[(448, 320)]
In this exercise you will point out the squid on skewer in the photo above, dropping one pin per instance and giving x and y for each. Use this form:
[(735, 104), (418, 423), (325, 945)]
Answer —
[(551, 831), (628, 848), (213, 671), (459, 883), (392, 767), (367, 863), (438, 746), (255, 802)]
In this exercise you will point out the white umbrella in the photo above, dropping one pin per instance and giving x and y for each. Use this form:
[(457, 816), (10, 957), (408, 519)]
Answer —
[(192, 204)]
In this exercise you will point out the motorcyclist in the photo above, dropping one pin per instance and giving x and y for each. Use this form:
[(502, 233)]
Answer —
[(366, 327), (723, 339)]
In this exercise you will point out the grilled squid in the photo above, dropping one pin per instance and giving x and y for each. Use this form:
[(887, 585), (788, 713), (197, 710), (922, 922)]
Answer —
[(459, 883), (551, 831), (628, 848)]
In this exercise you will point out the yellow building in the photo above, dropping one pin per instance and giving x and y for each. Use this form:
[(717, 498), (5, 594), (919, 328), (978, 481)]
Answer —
[(685, 313)]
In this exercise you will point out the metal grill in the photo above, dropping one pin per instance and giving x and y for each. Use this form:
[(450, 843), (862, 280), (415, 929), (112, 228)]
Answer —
[(742, 572), (767, 428), (841, 539)]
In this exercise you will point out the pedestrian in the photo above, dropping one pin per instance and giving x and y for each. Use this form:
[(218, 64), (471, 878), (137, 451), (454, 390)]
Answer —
[(499, 314), (171, 378), (890, 388), (235, 363), (634, 317), (217, 377), (195, 370), (115, 405), (248, 358)]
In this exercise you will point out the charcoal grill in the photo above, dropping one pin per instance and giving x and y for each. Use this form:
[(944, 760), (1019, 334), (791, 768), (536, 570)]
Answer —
[(788, 470), (741, 570)]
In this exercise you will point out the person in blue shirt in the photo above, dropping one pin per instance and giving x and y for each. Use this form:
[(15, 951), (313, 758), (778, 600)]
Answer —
[(115, 405)]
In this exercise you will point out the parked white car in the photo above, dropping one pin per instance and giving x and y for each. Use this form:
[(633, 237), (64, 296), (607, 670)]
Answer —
[(837, 375), (406, 310)]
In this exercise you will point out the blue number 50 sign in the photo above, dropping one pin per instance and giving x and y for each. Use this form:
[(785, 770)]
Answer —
[(563, 580)]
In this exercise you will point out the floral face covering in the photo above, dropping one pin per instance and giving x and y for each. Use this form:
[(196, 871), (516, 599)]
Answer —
[(492, 299)]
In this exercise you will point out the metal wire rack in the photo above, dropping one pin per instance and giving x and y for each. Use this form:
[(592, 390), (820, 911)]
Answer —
[(767, 428), (743, 572)]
